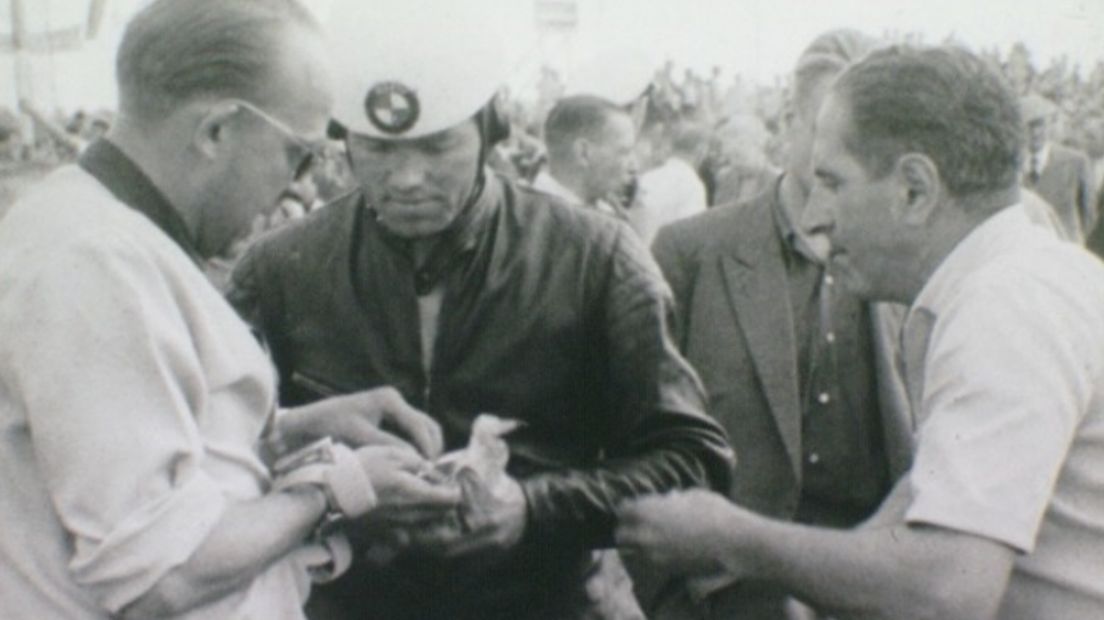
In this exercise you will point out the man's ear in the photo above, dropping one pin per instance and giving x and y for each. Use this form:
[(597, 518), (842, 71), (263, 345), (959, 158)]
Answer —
[(921, 186), (581, 149), (213, 129)]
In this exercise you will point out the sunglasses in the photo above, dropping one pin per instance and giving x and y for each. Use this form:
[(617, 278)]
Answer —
[(311, 150)]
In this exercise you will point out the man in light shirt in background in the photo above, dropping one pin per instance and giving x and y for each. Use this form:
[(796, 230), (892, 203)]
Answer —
[(591, 155), (673, 190)]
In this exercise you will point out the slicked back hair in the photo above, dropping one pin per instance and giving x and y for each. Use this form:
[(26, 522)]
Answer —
[(176, 51), (944, 102), (578, 116), (823, 60)]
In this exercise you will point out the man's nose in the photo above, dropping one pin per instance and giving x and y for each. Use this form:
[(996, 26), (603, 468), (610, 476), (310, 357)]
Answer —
[(818, 216), (407, 171), (817, 222)]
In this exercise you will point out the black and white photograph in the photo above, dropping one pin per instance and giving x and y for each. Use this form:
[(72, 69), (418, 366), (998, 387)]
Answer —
[(551, 310)]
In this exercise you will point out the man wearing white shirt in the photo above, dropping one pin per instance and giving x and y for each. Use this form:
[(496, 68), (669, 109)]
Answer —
[(917, 157), (591, 156), (673, 190)]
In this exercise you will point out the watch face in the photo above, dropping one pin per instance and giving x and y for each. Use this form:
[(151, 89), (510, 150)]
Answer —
[(318, 452), (392, 107)]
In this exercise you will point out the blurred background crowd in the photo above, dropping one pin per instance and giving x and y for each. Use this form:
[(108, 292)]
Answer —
[(738, 118), (741, 124)]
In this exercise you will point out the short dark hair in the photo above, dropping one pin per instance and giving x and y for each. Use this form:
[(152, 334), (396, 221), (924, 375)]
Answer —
[(576, 117), (944, 102), (175, 51)]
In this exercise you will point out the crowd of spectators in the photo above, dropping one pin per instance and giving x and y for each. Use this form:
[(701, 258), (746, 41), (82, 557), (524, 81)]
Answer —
[(744, 124)]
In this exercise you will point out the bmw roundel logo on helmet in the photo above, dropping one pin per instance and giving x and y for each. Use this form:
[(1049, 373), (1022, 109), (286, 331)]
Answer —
[(392, 107)]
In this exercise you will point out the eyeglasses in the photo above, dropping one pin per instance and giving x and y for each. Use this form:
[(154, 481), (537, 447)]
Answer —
[(311, 149)]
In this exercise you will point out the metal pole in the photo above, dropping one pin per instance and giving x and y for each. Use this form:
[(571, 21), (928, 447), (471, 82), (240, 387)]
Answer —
[(23, 86)]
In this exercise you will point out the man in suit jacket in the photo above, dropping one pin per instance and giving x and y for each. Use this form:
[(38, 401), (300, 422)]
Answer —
[(800, 372), (1061, 175)]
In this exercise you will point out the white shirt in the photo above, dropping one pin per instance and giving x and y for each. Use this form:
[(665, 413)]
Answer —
[(131, 396), (548, 184), (1004, 355), (668, 193)]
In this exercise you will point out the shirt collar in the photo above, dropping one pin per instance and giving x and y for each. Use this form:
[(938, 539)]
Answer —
[(548, 184), (793, 236), (986, 240), (109, 165)]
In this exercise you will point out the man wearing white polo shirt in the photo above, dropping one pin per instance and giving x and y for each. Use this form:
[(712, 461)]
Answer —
[(917, 156)]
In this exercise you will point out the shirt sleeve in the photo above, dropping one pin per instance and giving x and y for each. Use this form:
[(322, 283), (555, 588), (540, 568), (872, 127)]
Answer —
[(107, 372), (1006, 385), (663, 438)]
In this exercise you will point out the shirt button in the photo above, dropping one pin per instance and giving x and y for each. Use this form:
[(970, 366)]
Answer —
[(830, 337), (829, 280), (814, 458), (823, 398)]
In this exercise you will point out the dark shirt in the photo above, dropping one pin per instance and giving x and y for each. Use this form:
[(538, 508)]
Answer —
[(845, 472), (551, 315)]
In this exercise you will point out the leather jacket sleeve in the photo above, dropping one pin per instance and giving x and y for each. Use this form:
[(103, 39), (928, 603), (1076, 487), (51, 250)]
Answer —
[(663, 438)]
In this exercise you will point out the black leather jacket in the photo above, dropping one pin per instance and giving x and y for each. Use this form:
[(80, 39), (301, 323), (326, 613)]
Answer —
[(552, 315)]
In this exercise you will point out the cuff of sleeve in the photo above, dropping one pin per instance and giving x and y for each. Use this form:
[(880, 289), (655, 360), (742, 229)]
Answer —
[(551, 520), (148, 543), (348, 484), (337, 471), (986, 524), (538, 513)]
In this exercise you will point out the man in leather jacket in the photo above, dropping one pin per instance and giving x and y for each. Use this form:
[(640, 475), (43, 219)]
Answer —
[(470, 295)]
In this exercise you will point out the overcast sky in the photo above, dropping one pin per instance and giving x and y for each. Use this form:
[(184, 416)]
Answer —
[(759, 39), (762, 38)]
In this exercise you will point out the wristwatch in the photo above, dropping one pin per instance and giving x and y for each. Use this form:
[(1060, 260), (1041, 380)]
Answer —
[(335, 469), (332, 467)]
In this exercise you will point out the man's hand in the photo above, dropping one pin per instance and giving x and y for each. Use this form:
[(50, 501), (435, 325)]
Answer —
[(394, 473), (682, 531), (493, 522), (354, 419), (485, 524)]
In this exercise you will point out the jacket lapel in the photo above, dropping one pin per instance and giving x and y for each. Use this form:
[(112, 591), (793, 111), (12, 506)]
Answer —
[(755, 278)]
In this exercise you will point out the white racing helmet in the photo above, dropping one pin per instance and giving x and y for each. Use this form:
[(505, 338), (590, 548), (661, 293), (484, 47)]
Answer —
[(409, 68)]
